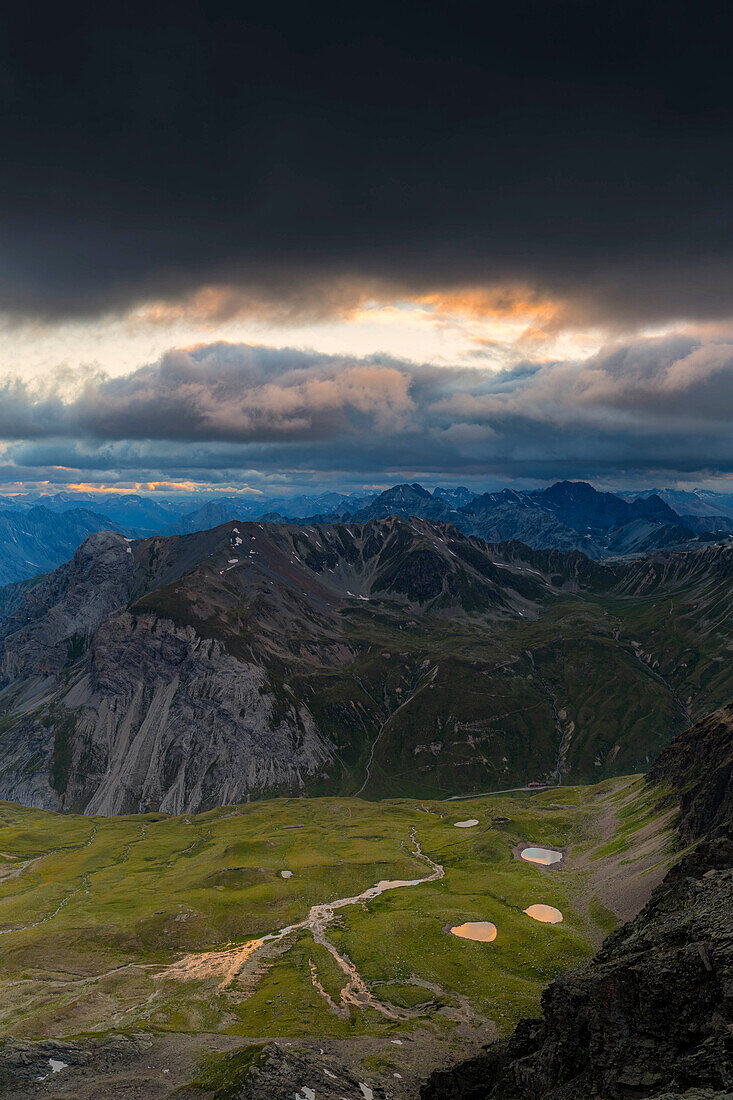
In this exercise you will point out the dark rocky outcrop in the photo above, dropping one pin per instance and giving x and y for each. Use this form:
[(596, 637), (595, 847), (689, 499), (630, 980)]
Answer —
[(652, 1014), (698, 769), (28, 1069), (272, 1072)]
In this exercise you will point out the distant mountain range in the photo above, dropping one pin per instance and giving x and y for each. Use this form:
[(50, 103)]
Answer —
[(698, 502), (35, 540), (145, 514), (570, 515), (384, 658)]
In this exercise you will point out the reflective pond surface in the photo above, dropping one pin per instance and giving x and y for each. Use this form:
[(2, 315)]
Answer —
[(482, 930), (548, 914), (544, 856), (466, 824)]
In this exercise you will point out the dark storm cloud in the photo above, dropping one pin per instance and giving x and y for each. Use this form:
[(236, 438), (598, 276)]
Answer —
[(222, 411), (580, 148), (224, 392)]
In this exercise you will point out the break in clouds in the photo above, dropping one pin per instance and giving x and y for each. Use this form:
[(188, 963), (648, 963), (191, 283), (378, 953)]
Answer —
[(650, 407)]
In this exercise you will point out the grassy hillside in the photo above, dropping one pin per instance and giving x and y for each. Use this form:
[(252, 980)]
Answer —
[(94, 913), (466, 706)]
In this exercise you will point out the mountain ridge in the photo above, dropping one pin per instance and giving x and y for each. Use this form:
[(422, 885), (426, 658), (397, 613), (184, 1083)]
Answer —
[(181, 672), (35, 540)]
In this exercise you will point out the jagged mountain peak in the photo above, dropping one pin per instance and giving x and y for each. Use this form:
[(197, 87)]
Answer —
[(413, 560), (578, 504)]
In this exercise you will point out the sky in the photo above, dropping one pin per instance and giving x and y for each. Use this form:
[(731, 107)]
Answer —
[(324, 247)]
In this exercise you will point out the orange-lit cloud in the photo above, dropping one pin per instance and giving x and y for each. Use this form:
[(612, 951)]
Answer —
[(229, 413), (187, 486), (215, 305), (351, 300), (498, 303)]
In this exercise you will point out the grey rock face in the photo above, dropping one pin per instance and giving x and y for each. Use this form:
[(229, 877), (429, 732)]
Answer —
[(27, 1068), (117, 712), (65, 608), (168, 720), (47, 631), (698, 767)]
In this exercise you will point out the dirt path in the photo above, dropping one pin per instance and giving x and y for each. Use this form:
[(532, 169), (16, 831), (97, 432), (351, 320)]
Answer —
[(422, 683)]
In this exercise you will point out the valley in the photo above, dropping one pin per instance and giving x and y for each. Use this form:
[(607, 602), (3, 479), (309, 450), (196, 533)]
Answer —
[(185, 927), (316, 809)]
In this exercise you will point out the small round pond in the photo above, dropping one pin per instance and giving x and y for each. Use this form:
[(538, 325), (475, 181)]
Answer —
[(544, 856), (548, 914), (468, 824), (482, 930)]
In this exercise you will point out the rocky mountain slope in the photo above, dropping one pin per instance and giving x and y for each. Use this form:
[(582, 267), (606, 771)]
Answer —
[(35, 540), (391, 657), (652, 1014), (697, 769)]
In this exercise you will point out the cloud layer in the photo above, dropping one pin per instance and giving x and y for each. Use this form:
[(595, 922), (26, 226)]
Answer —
[(655, 407), (301, 161)]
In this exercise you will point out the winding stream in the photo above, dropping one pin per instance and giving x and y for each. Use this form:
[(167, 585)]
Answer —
[(229, 963)]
